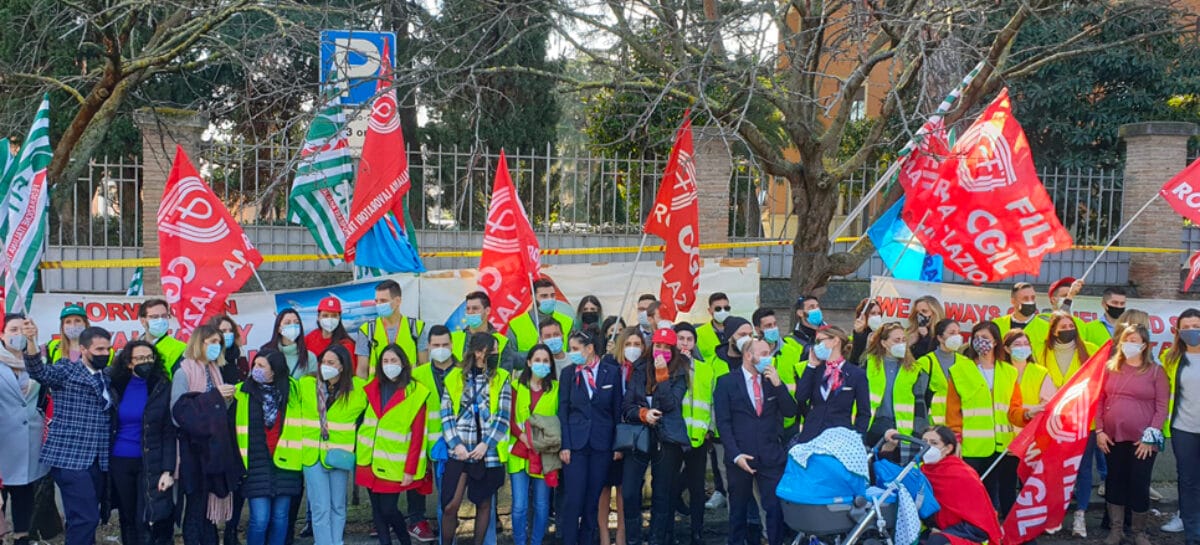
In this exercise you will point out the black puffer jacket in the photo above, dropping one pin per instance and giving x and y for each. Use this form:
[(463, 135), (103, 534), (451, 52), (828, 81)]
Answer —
[(667, 397), (159, 436), (263, 478)]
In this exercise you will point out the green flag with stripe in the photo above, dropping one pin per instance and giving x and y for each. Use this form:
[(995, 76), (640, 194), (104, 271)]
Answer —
[(321, 191), (27, 213)]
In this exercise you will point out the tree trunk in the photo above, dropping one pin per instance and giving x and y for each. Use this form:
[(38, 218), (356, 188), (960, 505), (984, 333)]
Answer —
[(814, 199)]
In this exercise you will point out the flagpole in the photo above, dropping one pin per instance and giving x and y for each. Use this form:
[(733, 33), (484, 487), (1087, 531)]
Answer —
[(1118, 235), (891, 272), (632, 273), (942, 109), (259, 278), (994, 464)]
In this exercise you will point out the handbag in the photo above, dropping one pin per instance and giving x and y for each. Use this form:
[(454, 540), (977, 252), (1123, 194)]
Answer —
[(632, 437), (338, 458)]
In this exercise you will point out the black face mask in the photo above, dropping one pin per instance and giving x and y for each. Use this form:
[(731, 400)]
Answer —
[(98, 362), (590, 317), (492, 360), (143, 370), (1067, 336), (1028, 309), (922, 320), (1114, 312)]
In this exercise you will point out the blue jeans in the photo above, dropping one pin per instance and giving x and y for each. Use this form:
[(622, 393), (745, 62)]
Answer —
[(327, 498), (268, 520), (1186, 447), (522, 483), (80, 490)]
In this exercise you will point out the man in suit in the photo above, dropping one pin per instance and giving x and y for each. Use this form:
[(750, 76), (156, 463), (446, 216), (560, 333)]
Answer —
[(750, 404), (78, 444)]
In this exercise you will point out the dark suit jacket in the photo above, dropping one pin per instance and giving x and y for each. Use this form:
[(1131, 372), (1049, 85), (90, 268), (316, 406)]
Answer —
[(589, 422), (821, 414), (745, 432)]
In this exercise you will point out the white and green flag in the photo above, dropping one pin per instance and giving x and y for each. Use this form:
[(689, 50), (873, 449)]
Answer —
[(136, 288), (321, 192), (27, 207)]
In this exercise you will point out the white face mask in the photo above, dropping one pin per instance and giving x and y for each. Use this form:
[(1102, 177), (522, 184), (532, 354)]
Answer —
[(898, 350), (329, 324), (742, 342), (329, 372), (1132, 349), (439, 354), (632, 353), (391, 370), (954, 343), (874, 322), (932, 456), (720, 316)]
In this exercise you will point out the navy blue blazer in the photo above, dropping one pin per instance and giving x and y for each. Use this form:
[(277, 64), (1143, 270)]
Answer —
[(745, 432), (589, 422), (821, 414)]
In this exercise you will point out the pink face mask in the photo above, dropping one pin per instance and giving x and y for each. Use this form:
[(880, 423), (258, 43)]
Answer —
[(664, 354)]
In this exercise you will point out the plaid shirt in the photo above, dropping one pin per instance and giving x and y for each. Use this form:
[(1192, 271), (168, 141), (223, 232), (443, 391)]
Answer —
[(80, 431), (461, 429)]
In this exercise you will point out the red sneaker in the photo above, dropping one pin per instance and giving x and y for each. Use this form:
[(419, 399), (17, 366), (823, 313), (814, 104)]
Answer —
[(422, 532)]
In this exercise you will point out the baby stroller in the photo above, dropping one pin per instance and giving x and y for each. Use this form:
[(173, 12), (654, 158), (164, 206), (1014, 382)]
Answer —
[(825, 497)]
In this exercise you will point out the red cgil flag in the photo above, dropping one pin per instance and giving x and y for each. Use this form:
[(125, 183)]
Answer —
[(205, 256), (676, 219), (1050, 449), (988, 214), (1193, 271), (1183, 192), (382, 178), (511, 258)]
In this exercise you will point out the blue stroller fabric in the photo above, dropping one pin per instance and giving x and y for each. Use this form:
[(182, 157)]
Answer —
[(824, 481), (915, 483)]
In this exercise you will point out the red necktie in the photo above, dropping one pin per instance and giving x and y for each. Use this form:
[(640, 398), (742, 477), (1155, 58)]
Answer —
[(589, 373), (758, 400)]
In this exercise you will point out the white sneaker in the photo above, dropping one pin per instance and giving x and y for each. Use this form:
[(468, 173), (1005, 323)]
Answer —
[(716, 501), (1101, 490), (1173, 526), (1079, 525), (1155, 495)]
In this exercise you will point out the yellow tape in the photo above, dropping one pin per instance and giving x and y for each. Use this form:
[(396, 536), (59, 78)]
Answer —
[(289, 258)]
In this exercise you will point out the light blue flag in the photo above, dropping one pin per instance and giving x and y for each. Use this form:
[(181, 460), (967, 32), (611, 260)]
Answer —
[(386, 247), (891, 235)]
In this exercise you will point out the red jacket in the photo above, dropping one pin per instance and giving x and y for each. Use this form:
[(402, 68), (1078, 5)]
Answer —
[(962, 498)]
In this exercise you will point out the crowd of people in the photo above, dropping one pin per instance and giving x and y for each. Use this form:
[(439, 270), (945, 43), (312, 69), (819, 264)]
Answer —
[(573, 412)]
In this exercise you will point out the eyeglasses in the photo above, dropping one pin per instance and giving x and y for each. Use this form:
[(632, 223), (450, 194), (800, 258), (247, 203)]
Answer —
[(726, 308)]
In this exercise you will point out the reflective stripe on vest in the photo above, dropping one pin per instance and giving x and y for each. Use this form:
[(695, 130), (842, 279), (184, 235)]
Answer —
[(547, 406), (458, 339), (697, 404), (986, 429), (433, 424), (938, 384), (384, 441), (288, 449), (340, 420), (903, 399), (495, 385), (406, 337)]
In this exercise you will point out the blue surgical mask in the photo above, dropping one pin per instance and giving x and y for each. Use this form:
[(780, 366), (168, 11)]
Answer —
[(771, 335), (546, 306), (576, 357), (228, 339), (1190, 337), (157, 327), (474, 320), (383, 310), (822, 352), (540, 370), (763, 364), (290, 332), (815, 317), (554, 344), (258, 375), (212, 351)]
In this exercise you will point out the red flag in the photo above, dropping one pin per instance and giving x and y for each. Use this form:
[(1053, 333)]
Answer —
[(383, 169), (205, 255), (989, 215), (1051, 448), (923, 165), (676, 219), (1183, 192), (1193, 271), (511, 256)]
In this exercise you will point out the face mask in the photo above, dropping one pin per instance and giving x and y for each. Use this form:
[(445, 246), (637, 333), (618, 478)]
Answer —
[(439, 354), (632, 353), (1131, 349), (922, 320), (546, 306), (982, 346), (874, 322), (1066, 336), (664, 354), (258, 375), (898, 351), (1114, 312), (329, 324), (493, 360), (474, 320), (815, 317), (392, 370), (157, 327), (1190, 337), (954, 343), (763, 364), (143, 370), (212, 351), (590, 317), (290, 331), (1028, 309), (554, 344), (1021, 353), (540, 370), (771, 335), (822, 352), (576, 357), (720, 316), (383, 310), (643, 319), (228, 338), (329, 372), (741, 343), (99, 362), (932, 456), (17, 342), (73, 331)]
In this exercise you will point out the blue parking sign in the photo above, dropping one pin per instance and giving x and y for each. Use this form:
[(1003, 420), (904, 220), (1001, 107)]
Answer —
[(352, 59)]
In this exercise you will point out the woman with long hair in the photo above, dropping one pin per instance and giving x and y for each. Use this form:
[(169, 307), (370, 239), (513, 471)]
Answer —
[(927, 311), (392, 442), (589, 312), (830, 393), (535, 393), (1129, 422), (948, 335), (23, 425), (1064, 352), (1182, 366), (627, 348), (72, 321), (868, 318), (897, 384), (330, 329), (288, 338), (235, 368)]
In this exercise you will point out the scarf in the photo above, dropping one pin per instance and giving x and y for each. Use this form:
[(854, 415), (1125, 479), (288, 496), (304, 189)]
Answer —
[(201, 378), (270, 406), (833, 374), (17, 364), (962, 497)]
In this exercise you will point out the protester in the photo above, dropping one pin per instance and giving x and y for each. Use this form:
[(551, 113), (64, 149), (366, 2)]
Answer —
[(927, 311), (209, 463), (439, 375), (288, 339), (1023, 316), (868, 318), (388, 328), (1062, 295), (898, 386), (77, 447), (476, 429), (608, 332), (786, 355), (647, 315), (589, 312), (1129, 423), (589, 405), (331, 402), (728, 356), (330, 329), (1063, 354), (72, 321), (807, 318), (1182, 367), (22, 424), (524, 328), (535, 393), (267, 417), (155, 316), (391, 443), (477, 308), (984, 407), (697, 416), (1032, 378), (628, 349), (750, 404), (830, 393), (949, 341), (1097, 332), (711, 334)]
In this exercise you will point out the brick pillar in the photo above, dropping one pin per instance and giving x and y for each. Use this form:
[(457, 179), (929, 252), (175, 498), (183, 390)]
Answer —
[(713, 170), (162, 129), (1154, 152)]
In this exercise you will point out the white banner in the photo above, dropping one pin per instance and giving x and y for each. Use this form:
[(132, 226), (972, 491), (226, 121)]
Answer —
[(970, 305)]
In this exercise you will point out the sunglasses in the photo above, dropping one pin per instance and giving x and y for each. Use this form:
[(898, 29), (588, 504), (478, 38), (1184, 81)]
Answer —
[(726, 308)]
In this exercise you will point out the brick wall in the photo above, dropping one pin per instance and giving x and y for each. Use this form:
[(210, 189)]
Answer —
[(713, 170)]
